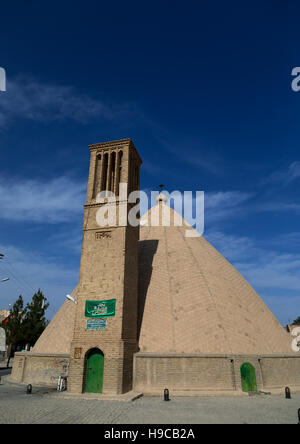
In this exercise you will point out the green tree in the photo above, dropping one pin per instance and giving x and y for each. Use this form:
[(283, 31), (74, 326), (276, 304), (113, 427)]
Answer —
[(35, 321), (14, 327), (25, 325), (296, 321)]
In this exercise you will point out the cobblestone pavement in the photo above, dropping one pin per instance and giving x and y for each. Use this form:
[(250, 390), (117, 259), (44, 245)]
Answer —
[(16, 407)]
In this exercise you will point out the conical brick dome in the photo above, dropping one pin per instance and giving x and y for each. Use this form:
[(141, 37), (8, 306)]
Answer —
[(192, 300), (57, 336)]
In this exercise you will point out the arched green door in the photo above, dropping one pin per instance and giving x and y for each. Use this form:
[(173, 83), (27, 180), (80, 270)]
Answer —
[(94, 372), (248, 378)]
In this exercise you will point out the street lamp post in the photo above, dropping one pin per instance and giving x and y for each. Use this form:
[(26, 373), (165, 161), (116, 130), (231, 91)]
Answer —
[(68, 296)]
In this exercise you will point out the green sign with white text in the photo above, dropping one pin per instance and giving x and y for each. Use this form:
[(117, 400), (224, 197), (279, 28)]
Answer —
[(100, 309)]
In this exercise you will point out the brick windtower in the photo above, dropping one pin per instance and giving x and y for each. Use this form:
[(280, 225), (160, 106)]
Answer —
[(105, 332)]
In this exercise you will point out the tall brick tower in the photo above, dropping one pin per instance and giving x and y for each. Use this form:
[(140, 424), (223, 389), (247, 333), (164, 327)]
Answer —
[(105, 331)]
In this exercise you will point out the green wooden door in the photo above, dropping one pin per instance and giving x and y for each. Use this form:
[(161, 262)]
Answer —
[(94, 372), (248, 378)]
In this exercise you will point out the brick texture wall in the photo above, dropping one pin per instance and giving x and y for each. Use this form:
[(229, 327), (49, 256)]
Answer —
[(39, 368), (154, 372)]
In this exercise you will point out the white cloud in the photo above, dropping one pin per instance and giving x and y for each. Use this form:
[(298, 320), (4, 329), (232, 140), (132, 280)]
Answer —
[(32, 100), (58, 200)]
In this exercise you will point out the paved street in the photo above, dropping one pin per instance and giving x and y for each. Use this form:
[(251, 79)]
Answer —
[(39, 408)]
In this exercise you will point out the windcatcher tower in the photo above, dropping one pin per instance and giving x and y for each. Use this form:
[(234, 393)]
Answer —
[(105, 331)]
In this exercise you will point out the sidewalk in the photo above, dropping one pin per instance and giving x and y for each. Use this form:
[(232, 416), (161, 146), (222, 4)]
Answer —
[(45, 406)]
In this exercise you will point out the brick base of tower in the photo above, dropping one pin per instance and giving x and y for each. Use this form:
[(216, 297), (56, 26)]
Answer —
[(118, 366)]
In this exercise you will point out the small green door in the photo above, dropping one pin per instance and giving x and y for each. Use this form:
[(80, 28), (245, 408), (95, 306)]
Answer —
[(94, 372), (248, 378)]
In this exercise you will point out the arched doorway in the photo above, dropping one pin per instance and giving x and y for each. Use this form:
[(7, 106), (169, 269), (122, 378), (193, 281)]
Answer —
[(248, 378), (94, 371)]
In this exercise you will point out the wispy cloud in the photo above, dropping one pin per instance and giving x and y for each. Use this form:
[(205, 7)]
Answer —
[(203, 158), (223, 206), (273, 270), (283, 176), (291, 239), (230, 205), (186, 150), (231, 246), (226, 199), (54, 201), (264, 266), (277, 206), (274, 275), (29, 270), (32, 100), (70, 239)]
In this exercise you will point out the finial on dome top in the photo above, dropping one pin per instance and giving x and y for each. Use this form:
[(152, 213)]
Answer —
[(161, 197)]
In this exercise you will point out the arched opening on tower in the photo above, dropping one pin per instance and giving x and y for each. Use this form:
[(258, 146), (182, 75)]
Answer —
[(94, 371), (112, 171), (118, 171), (96, 189), (104, 172)]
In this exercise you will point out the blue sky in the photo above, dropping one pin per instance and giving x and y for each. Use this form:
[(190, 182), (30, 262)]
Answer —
[(204, 91)]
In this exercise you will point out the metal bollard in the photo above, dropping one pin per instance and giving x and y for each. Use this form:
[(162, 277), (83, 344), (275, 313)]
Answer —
[(29, 389), (166, 395), (287, 393)]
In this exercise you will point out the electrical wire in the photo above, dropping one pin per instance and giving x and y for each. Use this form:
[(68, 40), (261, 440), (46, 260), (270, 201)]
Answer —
[(21, 285), (20, 277)]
